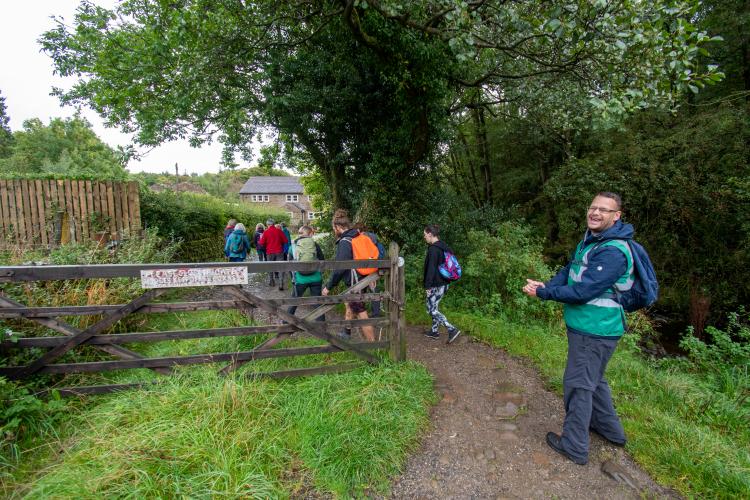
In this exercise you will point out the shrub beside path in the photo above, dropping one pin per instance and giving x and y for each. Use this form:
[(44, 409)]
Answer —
[(487, 435)]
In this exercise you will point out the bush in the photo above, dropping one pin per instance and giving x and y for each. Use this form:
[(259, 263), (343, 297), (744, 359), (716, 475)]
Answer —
[(728, 350), (189, 218), (496, 269), (495, 266)]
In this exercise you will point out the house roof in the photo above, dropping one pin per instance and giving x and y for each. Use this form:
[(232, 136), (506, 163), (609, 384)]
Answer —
[(272, 185)]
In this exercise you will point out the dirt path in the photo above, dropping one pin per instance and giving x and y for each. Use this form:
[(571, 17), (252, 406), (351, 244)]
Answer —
[(487, 435), (486, 438)]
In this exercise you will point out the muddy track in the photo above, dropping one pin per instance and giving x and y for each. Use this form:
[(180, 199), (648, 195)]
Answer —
[(486, 438)]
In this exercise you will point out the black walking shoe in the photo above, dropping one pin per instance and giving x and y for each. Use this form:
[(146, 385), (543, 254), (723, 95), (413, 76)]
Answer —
[(432, 335), (620, 444), (553, 440), (453, 335)]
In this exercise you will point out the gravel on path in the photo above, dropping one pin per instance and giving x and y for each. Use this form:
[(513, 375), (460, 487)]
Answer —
[(487, 435)]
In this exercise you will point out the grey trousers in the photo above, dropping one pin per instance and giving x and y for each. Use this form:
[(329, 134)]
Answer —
[(587, 397)]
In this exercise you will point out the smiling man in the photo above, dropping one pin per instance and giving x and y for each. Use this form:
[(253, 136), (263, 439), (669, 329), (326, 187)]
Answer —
[(601, 266)]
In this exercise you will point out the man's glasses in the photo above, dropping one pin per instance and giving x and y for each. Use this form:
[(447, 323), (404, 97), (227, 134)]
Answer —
[(601, 210)]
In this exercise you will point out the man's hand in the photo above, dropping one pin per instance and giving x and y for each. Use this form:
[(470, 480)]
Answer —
[(325, 292), (531, 286)]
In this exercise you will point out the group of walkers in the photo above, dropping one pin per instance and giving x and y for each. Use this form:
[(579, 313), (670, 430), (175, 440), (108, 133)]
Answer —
[(273, 242)]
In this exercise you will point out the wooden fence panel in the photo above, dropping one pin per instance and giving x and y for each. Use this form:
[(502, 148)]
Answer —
[(112, 211), (43, 229), (134, 206), (4, 219), (21, 231), (30, 210), (84, 209), (27, 212)]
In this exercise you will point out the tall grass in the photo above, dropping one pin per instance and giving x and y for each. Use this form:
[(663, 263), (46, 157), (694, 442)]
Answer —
[(685, 431), (197, 434)]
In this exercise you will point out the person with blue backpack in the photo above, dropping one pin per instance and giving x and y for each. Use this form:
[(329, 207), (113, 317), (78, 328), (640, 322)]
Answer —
[(237, 244), (440, 270), (608, 274)]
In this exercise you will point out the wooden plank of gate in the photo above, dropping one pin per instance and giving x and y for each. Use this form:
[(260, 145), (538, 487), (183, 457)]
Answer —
[(68, 329), (267, 344), (359, 286), (306, 325), (99, 366), (83, 336), (310, 317), (128, 338), (157, 307), (43, 229)]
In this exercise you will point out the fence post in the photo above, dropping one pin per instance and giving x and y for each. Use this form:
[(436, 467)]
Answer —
[(396, 289)]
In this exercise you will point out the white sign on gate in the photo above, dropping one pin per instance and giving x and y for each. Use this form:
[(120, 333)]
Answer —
[(193, 276)]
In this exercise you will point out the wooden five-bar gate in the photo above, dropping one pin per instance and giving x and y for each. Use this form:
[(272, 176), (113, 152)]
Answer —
[(228, 276)]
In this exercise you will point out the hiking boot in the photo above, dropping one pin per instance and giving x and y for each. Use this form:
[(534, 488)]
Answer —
[(554, 442), (620, 444), (344, 335), (432, 335), (453, 335)]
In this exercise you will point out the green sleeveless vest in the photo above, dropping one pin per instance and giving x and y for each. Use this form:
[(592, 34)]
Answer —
[(602, 315)]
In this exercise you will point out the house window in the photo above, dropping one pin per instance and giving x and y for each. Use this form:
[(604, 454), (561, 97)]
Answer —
[(260, 198), (314, 215), (292, 197), (291, 215)]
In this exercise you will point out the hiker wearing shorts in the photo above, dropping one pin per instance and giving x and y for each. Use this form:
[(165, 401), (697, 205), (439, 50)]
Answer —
[(601, 266), (342, 227), (435, 284)]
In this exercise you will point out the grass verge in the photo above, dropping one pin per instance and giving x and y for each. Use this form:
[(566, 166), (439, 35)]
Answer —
[(680, 429), (200, 435)]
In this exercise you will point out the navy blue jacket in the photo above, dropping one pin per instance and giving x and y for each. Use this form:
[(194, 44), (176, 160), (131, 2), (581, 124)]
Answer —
[(605, 266)]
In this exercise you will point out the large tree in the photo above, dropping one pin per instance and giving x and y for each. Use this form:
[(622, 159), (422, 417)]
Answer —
[(67, 146), (363, 86)]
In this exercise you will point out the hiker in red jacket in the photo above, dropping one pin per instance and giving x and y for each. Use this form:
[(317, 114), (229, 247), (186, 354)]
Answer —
[(273, 241)]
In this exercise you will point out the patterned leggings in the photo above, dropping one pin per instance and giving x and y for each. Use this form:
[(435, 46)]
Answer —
[(434, 295)]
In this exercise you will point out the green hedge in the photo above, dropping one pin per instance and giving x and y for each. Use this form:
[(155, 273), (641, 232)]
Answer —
[(197, 220)]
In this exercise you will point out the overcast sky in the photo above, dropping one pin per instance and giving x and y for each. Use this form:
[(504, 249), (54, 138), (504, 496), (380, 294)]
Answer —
[(26, 80)]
